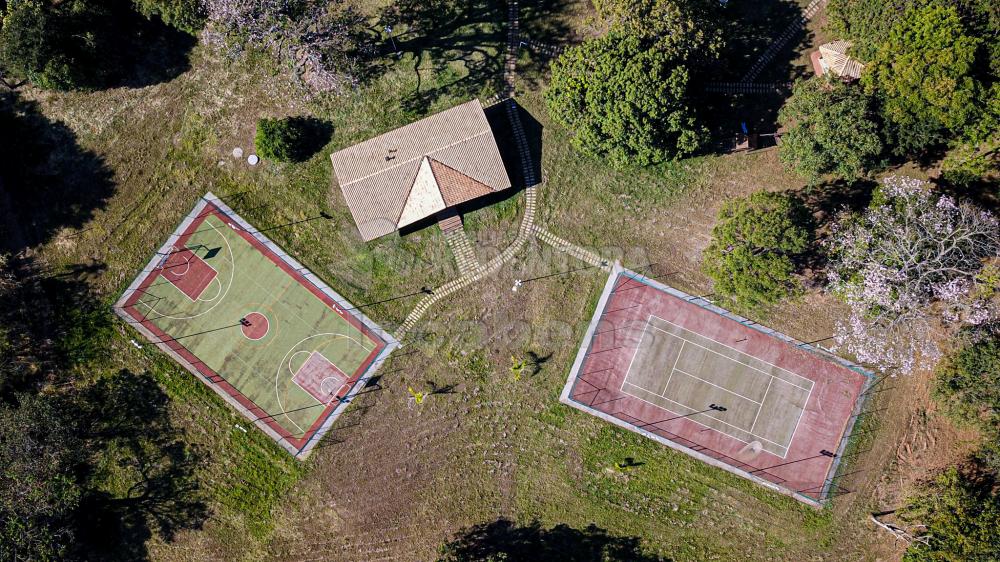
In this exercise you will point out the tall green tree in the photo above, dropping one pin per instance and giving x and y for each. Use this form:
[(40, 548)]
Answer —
[(58, 45), (755, 246), (626, 95), (38, 491), (925, 75), (832, 129), (968, 388), (186, 15)]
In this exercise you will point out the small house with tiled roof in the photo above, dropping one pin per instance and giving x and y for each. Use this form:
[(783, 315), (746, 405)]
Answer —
[(420, 170)]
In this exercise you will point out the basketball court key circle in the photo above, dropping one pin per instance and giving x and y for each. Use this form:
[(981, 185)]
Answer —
[(255, 326)]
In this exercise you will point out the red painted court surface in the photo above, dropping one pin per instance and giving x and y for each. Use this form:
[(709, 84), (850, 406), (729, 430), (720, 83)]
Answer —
[(271, 338), (320, 378), (719, 387), (187, 272)]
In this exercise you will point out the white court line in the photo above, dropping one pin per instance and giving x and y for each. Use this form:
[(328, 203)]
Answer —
[(232, 275), (770, 376), (802, 411), (762, 399), (674, 368), (779, 445), (295, 282), (188, 264), (218, 293), (277, 374), (811, 383), (638, 344), (296, 373), (720, 388)]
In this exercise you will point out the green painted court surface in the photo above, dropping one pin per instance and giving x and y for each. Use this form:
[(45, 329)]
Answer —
[(299, 323), (686, 373)]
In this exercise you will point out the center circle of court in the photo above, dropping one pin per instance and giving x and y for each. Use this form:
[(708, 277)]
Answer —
[(255, 326)]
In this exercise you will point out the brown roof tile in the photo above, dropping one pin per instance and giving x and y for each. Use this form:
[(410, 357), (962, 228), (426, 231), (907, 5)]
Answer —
[(455, 186)]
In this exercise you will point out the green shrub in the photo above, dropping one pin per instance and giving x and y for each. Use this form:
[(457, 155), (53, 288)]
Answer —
[(968, 384), (831, 130), (292, 139), (625, 95), (754, 248), (961, 515), (185, 15), (925, 74)]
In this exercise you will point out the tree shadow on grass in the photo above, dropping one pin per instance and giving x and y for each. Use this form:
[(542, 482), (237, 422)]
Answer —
[(547, 21), (464, 43), (49, 324), (503, 540), (146, 462), (826, 201), (48, 180), (130, 464), (151, 51)]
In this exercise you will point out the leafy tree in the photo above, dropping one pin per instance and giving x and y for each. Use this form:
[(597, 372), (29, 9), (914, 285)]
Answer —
[(624, 101), (291, 139), (186, 15), (831, 130), (865, 22), (976, 156), (909, 266), (58, 45), (924, 73), (968, 383), (755, 245), (961, 515), (625, 95)]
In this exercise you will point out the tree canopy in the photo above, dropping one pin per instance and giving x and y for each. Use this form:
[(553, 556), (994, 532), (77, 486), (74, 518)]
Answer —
[(968, 388), (38, 495), (625, 95), (907, 264), (831, 129), (57, 45), (925, 75), (754, 248), (186, 15)]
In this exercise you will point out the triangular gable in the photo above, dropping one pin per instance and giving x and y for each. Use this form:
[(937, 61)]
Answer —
[(455, 186), (424, 198)]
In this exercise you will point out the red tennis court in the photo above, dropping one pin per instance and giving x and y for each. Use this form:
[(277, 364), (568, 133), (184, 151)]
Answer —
[(716, 386)]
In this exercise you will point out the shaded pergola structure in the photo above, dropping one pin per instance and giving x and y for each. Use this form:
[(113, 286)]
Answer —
[(832, 58)]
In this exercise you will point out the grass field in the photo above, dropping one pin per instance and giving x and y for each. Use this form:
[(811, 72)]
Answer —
[(397, 481)]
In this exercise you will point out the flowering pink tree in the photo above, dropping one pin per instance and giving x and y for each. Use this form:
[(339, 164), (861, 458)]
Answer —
[(909, 267), (320, 41)]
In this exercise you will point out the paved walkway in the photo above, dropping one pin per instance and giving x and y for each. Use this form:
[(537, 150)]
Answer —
[(462, 249), (775, 47), (567, 247), (748, 88), (469, 267)]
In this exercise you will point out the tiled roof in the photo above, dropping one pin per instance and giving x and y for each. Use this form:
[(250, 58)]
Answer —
[(379, 176)]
